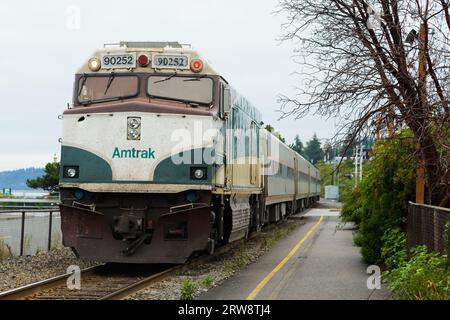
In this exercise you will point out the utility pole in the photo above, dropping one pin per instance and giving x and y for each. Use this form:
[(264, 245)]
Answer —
[(361, 156), (356, 166), (333, 157), (420, 170), (337, 174)]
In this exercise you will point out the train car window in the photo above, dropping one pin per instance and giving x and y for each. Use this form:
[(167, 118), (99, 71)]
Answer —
[(93, 89), (190, 89)]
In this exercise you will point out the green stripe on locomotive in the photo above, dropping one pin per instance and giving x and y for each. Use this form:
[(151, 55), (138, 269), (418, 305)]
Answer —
[(94, 169)]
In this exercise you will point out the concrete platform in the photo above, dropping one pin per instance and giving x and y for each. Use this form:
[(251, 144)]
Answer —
[(327, 265)]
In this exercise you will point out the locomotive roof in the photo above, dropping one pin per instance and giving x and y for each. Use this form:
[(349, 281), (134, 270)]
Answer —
[(149, 48)]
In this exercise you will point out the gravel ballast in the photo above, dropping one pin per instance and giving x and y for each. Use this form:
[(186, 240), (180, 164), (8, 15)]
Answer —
[(19, 271)]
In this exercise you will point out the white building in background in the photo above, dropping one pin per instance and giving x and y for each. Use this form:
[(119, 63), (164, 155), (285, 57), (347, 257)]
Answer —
[(332, 193)]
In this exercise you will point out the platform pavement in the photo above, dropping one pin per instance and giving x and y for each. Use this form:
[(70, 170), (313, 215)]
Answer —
[(327, 265)]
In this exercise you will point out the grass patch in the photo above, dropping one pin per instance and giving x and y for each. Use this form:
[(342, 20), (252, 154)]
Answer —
[(5, 250), (239, 260), (277, 236), (188, 288), (207, 282)]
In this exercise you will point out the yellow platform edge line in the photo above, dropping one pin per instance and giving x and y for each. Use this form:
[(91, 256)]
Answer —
[(272, 273)]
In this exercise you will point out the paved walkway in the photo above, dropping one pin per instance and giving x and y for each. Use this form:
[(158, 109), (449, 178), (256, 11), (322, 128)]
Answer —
[(327, 265)]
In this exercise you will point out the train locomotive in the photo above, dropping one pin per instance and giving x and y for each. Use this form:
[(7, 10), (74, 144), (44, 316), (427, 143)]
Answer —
[(162, 159)]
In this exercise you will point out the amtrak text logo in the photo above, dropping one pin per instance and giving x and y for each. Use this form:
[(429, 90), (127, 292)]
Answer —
[(134, 153)]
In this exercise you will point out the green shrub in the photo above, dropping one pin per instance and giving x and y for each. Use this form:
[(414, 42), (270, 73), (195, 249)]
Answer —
[(381, 200), (188, 288), (394, 251), (352, 208), (424, 277)]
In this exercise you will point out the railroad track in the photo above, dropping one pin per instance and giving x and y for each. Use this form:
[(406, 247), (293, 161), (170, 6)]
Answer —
[(102, 282), (108, 281)]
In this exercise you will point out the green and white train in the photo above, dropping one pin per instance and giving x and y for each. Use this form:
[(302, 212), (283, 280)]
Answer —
[(161, 159)]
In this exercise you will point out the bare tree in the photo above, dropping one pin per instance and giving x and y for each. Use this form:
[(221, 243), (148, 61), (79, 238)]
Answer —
[(363, 61)]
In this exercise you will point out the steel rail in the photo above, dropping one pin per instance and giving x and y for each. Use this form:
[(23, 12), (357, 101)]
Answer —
[(33, 288), (23, 292), (140, 285)]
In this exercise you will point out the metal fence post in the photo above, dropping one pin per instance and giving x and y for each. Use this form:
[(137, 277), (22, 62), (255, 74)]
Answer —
[(50, 231), (22, 233)]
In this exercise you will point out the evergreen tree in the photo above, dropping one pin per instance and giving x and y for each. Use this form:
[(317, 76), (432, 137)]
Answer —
[(49, 181), (313, 151), (297, 146)]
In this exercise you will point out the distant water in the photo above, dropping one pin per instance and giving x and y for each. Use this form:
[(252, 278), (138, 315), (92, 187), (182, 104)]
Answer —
[(29, 193)]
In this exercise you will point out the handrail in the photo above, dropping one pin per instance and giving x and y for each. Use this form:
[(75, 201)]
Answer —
[(19, 210), (429, 206)]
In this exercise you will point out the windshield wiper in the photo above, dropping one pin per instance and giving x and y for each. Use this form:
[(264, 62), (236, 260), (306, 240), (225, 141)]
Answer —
[(110, 80), (196, 78), (87, 102), (165, 79), (82, 83)]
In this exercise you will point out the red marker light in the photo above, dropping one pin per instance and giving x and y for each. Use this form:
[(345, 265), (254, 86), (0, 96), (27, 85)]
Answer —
[(196, 65), (143, 60)]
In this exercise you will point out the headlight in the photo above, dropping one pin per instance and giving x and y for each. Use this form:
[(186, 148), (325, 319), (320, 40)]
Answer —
[(198, 173), (71, 172), (133, 134), (134, 123), (134, 128), (94, 64)]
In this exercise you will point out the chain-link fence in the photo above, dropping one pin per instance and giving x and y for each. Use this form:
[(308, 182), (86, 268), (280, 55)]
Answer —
[(426, 226)]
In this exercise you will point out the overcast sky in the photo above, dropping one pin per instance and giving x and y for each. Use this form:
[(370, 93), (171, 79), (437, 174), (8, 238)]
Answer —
[(43, 43)]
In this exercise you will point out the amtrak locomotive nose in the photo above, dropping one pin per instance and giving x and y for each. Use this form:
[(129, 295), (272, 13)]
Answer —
[(161, 158)]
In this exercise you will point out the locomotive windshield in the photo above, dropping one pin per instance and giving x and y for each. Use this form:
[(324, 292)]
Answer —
[(190, 89), (109, 87)]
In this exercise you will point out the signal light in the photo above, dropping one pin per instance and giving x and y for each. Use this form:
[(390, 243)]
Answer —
[(196, 65), (143, 60)]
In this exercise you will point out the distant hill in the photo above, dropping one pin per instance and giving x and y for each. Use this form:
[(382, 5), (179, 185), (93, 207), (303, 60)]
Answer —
[(17, 179)]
